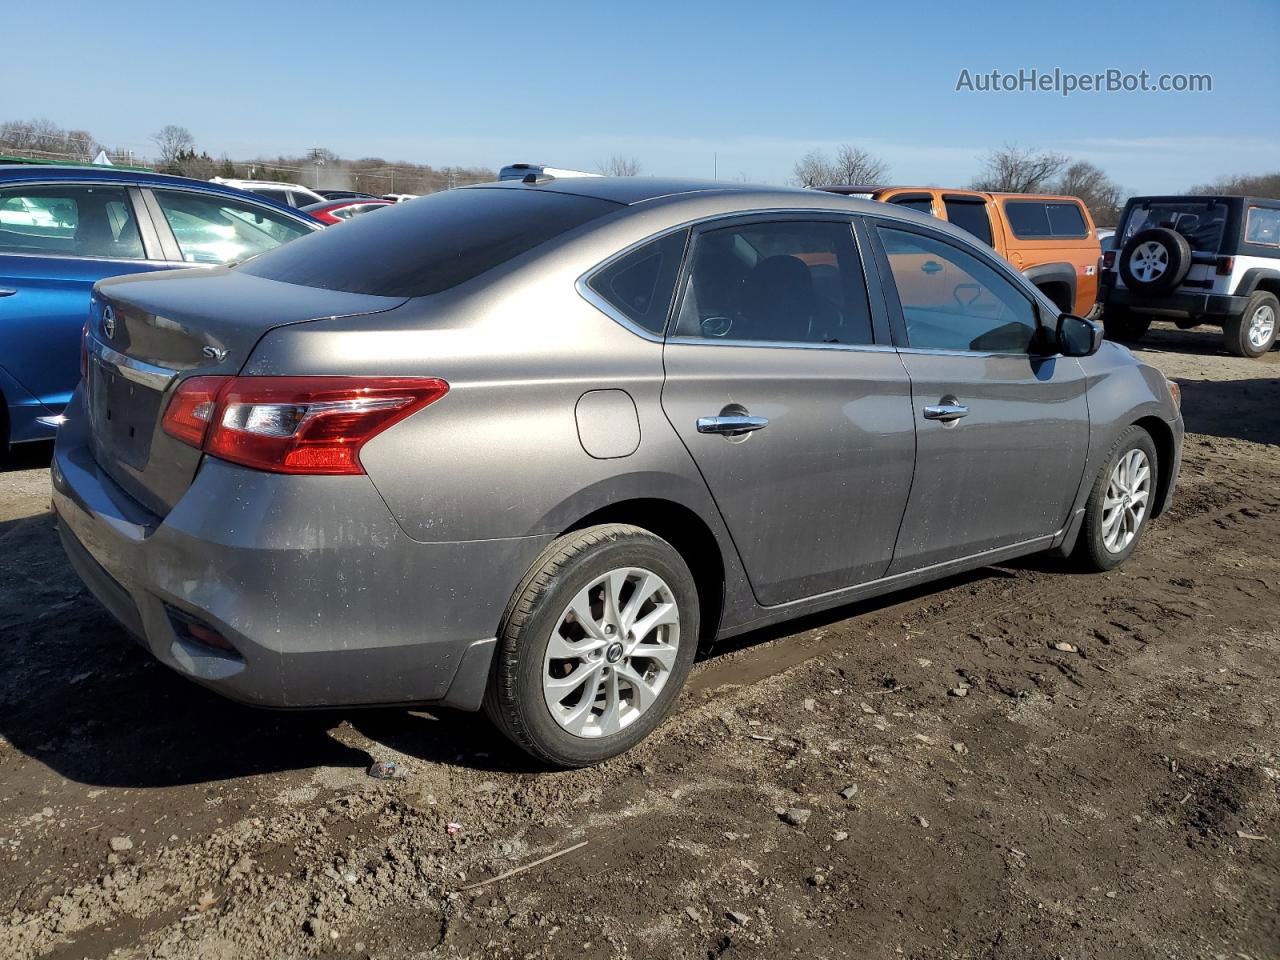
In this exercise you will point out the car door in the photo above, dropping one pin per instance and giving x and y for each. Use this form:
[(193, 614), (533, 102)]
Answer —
[(1001, 432), (56, 241), (797, 415)]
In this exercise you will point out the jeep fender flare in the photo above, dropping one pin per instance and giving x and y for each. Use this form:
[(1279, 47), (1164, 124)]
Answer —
[(1043, 273), (1254, 276)]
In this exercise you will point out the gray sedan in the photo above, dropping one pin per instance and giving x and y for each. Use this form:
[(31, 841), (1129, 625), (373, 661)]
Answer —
[(526, 446)]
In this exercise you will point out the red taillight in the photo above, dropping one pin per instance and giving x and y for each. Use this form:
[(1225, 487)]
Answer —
[(1108, 259), (298, 425), (1225, 266), (191, 409)]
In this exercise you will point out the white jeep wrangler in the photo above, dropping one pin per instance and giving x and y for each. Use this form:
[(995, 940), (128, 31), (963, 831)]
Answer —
[(1195, 260)]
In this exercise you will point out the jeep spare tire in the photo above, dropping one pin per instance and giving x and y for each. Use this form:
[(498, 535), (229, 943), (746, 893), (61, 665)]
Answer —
[(1155, 261)]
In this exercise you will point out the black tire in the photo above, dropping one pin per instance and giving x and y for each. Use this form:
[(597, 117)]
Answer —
[(1235, 332), (514, 699), (1091, 551), (1123, 325), (1178, 261)]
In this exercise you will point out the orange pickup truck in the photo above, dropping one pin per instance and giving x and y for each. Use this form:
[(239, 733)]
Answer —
[(1050, 239)]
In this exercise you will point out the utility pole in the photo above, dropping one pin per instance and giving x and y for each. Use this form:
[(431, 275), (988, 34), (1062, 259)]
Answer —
[(317, 158)]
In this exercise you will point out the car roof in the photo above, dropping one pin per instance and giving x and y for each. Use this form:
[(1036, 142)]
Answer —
[(632, 190), (262, 183), (846, 189), (91, 174), (1203, 197)]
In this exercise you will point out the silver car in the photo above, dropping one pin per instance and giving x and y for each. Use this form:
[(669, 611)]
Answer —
[(528, 445)]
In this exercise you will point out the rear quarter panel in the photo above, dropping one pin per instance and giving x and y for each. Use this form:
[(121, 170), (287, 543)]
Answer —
[(500, 455)]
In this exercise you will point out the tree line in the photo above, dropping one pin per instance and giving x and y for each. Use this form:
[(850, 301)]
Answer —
[(1007, 170), (1014, 169), (1010, 169)]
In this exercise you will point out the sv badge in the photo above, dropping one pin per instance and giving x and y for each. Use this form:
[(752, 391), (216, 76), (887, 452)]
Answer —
[(213, 353)]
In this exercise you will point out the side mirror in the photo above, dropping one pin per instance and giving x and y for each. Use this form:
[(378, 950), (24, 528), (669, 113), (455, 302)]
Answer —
[(1078, 337)]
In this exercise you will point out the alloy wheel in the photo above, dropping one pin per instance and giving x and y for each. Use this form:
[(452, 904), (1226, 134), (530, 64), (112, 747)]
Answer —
[(1126, 502), (1262, 327), (611, 653), (1149, 261)]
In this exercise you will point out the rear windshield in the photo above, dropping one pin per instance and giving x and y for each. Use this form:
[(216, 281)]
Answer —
[(428, 245), (1200, 221)]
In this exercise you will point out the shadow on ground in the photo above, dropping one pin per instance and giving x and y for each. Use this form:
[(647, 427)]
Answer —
[(27, 456)]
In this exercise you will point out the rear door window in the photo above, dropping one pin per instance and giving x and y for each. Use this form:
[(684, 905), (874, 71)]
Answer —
[(416, 249), (969, 215), (215, 229), (640, 284), (1040, 219), (70, 220), (787, 281)]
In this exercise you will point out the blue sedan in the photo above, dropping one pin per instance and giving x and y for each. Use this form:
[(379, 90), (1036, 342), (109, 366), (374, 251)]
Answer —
[(64, 228)]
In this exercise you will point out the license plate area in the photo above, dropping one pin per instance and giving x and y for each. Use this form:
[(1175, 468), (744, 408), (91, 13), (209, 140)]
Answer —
[(124, 414)]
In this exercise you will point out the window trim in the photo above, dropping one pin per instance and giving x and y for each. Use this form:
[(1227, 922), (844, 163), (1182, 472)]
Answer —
[(1038, 302), (151, 245)]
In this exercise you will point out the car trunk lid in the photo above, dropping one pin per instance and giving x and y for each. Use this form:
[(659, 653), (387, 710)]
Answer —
[(148, 334)]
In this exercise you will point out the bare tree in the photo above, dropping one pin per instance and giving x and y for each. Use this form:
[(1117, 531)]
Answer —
[(80, 144), (1100, 193), (619, 165), (173, 141), (814, 170), (1015, 170), (854, 165), (38, 134), (1250, 185)]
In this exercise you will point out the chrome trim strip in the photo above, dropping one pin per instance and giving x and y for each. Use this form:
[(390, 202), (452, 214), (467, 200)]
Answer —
[(940, 352), (136, 371), (782, 344)]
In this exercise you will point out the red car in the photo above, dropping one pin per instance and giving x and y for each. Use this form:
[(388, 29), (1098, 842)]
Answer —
[(337, 211)]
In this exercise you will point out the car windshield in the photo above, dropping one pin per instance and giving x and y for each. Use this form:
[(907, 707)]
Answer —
[(431, 244), (1200, 221)]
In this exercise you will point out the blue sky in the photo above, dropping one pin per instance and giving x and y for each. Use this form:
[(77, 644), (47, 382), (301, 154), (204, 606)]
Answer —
[(680, 86)]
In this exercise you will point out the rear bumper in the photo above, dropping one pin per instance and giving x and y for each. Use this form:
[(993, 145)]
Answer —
[(1172, 304), (326, 600)]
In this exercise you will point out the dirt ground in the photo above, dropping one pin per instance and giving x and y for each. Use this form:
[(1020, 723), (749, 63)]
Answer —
[(1119, 799)]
